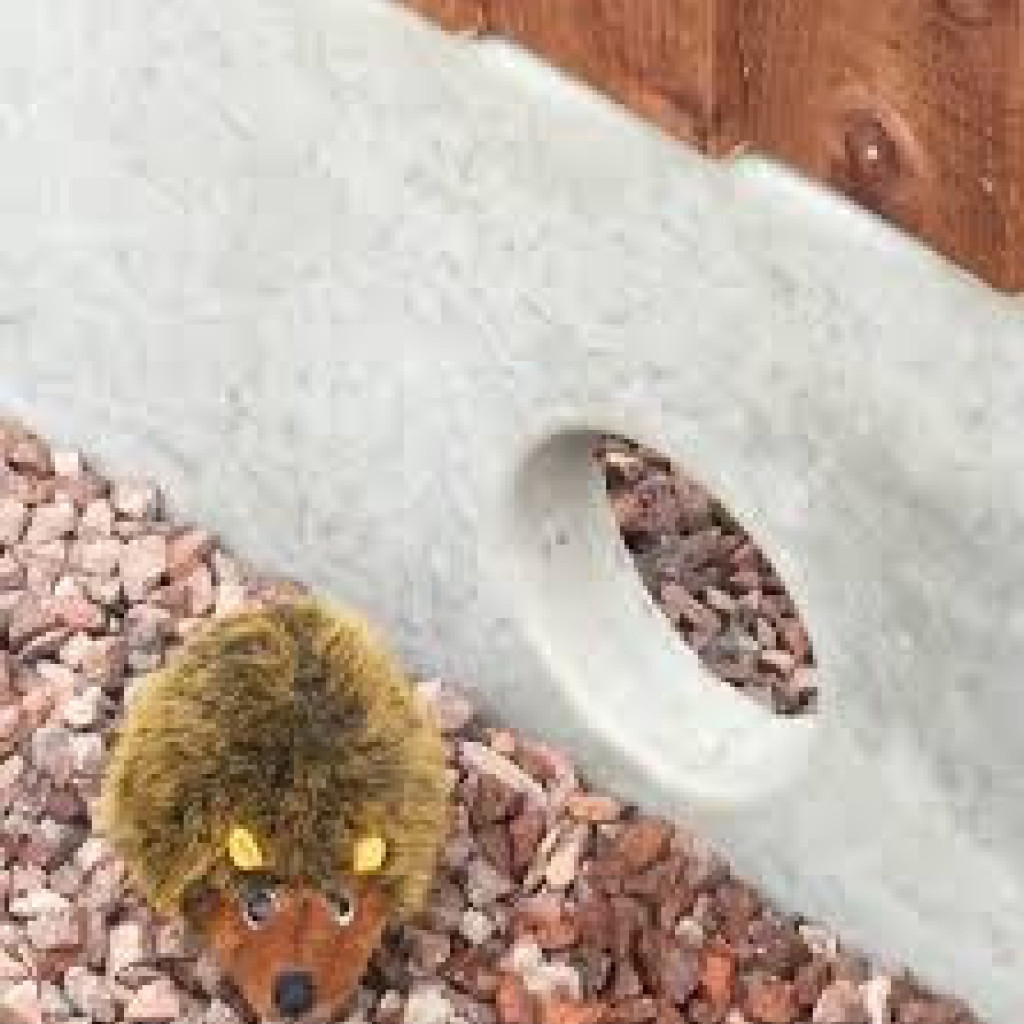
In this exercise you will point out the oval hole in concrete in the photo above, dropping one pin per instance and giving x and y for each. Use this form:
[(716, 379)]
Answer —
[(634, 688), (709, 578)]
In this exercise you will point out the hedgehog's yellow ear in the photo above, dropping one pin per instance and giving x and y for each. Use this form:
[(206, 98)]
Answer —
[(369, 855), (243, 850)]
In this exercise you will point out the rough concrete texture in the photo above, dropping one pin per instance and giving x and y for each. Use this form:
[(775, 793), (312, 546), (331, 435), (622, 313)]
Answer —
[(260, 246)]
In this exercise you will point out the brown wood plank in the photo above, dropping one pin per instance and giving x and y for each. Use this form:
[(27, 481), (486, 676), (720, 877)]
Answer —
[(454, 15), (653, 55), (914, 108), (904, 105)]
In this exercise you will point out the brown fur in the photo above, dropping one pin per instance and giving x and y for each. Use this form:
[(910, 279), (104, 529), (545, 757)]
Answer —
[(301, 936)]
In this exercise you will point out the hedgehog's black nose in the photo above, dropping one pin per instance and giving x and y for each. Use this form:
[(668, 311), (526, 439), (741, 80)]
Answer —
[(293, 993)]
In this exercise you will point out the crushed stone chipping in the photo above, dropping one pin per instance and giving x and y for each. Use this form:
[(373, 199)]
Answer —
[(554, 904), (710, 578)]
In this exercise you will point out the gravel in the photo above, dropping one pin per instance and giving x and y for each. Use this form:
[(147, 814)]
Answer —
[(554, 904), (709, 578)]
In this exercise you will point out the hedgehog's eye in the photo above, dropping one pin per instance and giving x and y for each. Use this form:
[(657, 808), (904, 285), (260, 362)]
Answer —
[(343, 904), (258, 904)]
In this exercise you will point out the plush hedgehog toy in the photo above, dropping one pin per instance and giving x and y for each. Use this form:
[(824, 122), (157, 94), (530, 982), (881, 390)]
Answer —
[(278, 787)]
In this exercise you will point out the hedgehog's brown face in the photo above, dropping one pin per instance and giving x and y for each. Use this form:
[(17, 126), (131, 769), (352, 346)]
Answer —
[(295, 953)]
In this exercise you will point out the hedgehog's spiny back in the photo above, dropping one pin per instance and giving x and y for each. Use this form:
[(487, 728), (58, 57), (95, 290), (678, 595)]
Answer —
[(297, 722)]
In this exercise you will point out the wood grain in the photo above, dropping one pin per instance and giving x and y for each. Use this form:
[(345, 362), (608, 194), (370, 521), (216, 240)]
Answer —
[(913, 108), (653, 56), (903, 105), (454, 15)]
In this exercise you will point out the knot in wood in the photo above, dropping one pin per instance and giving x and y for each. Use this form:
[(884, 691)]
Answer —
[(872, 154)]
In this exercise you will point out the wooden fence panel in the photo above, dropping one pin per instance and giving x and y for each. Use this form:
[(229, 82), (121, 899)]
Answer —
[(905, 105), (914, 108)]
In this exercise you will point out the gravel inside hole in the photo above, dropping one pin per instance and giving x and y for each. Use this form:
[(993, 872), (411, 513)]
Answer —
[(709, 578)]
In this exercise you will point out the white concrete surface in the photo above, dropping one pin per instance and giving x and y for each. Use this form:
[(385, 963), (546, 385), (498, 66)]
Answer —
[(356, 292)]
